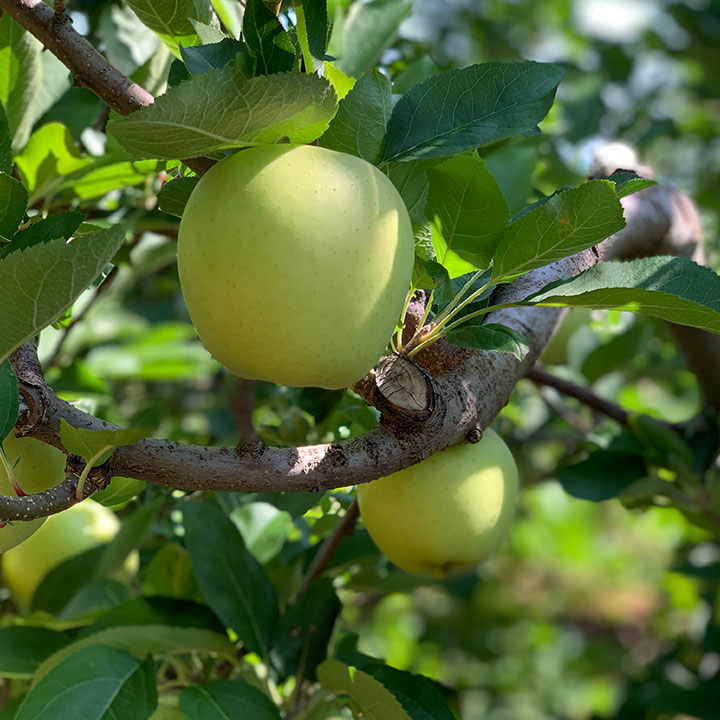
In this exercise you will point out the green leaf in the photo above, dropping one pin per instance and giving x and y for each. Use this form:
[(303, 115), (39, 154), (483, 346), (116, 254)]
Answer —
[(5, 144), (173, 196), (171, 19), (120, 491), (568, 222), (468, 214), (513, 167), (627, 182), (22, 649), (222, 109), (461, 109), (370, 27), (91, 443), (97, 180), (671, 288), (9, 398), (208, 34), (119, 687), (131, 535), (13, 203), (59, 225), (49, 155), (602, 476), (230, 14), (358, 128), (232, 581), (419, 697), (411, 181), (372, 699), (141, 640), (267, 39), (304, 631), (264, 528), (201, 58), (317, 27), (490, 337), (662, 445), (20, 78), (38, 284), (169, 573), (227, 700)]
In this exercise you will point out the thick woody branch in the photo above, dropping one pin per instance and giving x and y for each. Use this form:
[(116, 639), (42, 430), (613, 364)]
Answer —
[(469, 389)]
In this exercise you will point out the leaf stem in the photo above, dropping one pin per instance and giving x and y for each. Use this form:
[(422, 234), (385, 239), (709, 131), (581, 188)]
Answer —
[(86, 471), (397, 345)]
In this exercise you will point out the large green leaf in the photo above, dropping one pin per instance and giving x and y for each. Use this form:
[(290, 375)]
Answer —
[(369, 29), (5, 143), (232, 581), (13, 203), (267, 39), (468, 213), (39, 283), (171, 19), (374, 701), (223, 109), (461, 109), (9, 403), (358, 128), (57, 225), (120, 687), (227, 700), (568, 222), (48, 157), (142, 640), (20, 78), (420, 699), (671, 288), (22, 649)]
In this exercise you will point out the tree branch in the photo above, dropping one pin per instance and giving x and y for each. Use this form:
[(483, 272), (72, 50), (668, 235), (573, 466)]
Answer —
[(586, 396)]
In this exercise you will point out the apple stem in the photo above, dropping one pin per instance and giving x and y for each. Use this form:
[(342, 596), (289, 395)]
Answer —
[(11, 475)]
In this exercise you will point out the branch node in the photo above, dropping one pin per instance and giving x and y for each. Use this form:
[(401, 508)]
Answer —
[(475, 435)]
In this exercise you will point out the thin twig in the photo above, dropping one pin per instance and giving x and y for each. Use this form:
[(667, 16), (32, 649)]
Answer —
[(329, 546), (584, 395)]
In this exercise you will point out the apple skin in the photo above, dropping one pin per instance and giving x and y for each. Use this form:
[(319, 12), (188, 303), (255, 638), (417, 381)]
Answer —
[(446, 514), (295, 262), (41, 467), (71, 532)]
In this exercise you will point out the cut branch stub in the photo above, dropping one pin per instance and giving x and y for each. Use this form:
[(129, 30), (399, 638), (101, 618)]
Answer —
[(405, 392)]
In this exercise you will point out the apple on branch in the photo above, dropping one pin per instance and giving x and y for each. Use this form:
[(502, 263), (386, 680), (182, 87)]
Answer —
[(295, 262)]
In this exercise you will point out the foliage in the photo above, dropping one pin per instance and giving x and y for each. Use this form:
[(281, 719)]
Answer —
[(604, 603)]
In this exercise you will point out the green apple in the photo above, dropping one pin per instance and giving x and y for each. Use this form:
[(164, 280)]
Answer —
[(556, 351), (69, 533), (295, 262), (40, 467), (446, 514)]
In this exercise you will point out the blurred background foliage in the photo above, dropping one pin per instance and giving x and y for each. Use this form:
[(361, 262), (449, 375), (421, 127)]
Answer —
[(592, 610)]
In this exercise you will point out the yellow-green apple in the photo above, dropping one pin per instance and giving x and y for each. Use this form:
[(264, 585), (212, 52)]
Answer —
[(36, 466), (447, 513), (69, 533), (295, 261)]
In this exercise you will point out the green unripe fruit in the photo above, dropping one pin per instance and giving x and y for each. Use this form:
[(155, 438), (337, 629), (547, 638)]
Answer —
[(295, 262), (446, 514), (69, 533), (41, 467)]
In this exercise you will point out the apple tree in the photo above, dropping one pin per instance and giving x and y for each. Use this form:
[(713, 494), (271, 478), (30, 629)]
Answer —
[(380, 244)]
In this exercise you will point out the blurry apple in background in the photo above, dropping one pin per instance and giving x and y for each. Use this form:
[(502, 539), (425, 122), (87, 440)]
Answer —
[(446, 514), (69, 533), (295, 262), (41, 467)]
